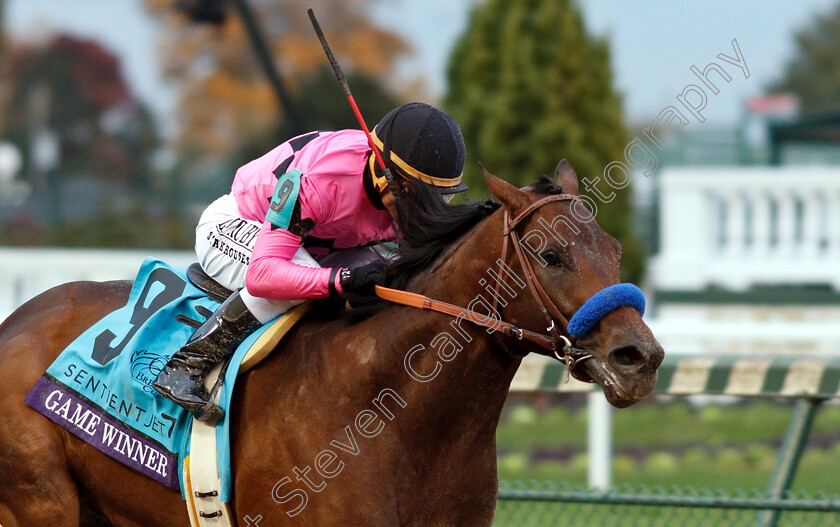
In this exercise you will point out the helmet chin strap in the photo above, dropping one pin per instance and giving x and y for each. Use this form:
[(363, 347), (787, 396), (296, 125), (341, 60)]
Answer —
[(380, 183)]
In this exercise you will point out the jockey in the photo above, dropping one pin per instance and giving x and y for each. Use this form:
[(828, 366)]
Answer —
[(301, 222)]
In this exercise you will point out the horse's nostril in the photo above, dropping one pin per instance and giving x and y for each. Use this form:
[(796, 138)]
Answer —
[(627, 356)]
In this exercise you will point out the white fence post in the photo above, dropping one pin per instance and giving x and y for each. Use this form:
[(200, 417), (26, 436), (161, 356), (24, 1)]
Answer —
[(600, 441)]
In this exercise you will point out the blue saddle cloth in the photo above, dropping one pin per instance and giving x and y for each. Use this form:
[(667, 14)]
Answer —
[(99, 388)]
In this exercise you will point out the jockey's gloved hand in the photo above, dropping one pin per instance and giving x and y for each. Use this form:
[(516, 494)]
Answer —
[(357, 283)]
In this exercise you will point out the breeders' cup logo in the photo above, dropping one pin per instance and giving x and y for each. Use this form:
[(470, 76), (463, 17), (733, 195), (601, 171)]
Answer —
[(145, 367)]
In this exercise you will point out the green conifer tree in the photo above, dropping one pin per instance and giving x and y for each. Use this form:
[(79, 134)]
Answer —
[(3, 51), (529, 86), (813, 74)]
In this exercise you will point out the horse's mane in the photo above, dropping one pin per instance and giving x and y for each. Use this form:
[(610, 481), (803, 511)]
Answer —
[(429, 226)]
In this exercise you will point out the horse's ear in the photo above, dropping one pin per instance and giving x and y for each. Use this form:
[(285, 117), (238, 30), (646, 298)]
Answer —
[(513, 199), (565, 176)]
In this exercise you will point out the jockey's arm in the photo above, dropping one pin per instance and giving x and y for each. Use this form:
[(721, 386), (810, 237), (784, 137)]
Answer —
[(272, 274)]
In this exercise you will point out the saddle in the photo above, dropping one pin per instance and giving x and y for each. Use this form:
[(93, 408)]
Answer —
[(203, 281)]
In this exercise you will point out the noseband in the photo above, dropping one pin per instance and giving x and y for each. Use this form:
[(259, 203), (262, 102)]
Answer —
[(558, 341)]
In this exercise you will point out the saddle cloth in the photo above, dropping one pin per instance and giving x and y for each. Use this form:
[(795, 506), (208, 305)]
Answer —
[(99, 388)]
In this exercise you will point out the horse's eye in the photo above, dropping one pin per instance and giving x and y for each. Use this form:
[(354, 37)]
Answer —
[(552, 258)]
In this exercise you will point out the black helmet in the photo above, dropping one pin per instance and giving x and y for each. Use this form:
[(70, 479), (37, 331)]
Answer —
[(422, 142)]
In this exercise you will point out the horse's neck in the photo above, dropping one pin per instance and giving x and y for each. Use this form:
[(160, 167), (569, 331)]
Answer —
[(430, 375), (450, 367)]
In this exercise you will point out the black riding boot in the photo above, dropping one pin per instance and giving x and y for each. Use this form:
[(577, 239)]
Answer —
[(182, 380)]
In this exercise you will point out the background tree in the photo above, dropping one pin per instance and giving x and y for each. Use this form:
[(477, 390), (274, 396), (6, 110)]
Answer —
[(814, 72), (225, 99), (70, 97), (323, 103), (74, 88), (3, 76), (318, 97), (529, 86)]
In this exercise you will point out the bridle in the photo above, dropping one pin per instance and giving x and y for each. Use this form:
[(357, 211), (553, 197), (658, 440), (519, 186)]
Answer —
[(562, 343), (556, 342)]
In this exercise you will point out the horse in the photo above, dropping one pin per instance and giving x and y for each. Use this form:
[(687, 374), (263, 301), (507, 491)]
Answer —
[(388, 420)]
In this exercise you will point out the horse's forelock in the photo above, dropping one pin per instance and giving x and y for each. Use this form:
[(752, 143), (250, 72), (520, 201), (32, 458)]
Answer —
[(546, 186)]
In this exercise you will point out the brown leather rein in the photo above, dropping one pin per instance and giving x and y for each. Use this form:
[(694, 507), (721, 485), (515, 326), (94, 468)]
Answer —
[(556, 342)]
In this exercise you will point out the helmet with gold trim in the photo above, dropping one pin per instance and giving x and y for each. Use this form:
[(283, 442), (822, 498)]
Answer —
[(420, 141)]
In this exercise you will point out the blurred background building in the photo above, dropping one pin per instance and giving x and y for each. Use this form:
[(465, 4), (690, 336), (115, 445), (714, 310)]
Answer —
[(747, 217)]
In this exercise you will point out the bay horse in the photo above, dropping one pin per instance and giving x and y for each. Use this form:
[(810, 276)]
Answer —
[(387, 421)]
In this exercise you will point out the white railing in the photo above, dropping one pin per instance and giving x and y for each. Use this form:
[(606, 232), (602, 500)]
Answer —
[(699, 334), (739, 227), (25, 273)]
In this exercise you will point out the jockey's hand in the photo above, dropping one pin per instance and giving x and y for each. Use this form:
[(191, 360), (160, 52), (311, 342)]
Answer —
[(357, 283)]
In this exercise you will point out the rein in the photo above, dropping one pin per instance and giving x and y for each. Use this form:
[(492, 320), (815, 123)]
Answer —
[(557, 342)]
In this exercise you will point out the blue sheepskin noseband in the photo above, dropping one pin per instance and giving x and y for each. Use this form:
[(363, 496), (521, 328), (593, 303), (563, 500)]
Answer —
[(602, 303)]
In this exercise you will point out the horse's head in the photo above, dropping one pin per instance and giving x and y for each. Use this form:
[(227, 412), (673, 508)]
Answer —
[(569, 258)]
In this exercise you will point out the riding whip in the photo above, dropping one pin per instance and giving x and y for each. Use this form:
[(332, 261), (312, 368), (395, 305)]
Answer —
[(342, 80)]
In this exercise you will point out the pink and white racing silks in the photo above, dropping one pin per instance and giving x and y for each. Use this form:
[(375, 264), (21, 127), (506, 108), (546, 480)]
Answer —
[(332, 194)]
